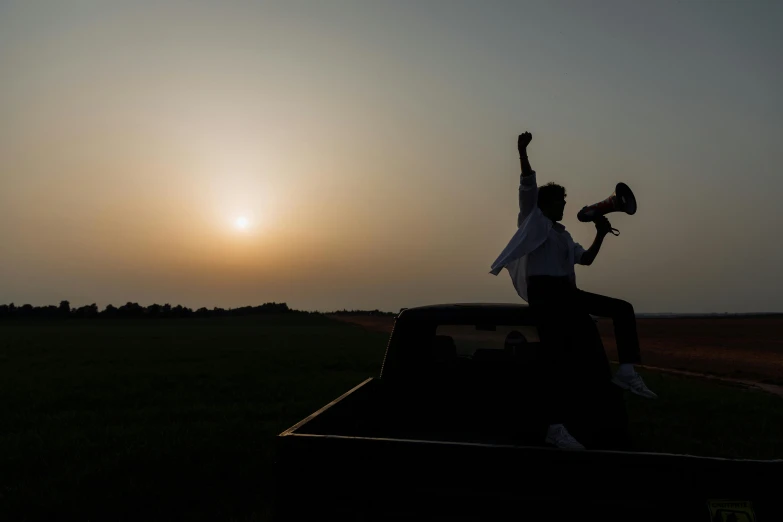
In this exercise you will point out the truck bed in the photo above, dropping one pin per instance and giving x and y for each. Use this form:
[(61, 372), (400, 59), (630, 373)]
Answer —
[(452, 414)]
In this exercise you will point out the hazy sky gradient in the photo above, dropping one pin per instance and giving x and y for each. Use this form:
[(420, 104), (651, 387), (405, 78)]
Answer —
[(372, 146)]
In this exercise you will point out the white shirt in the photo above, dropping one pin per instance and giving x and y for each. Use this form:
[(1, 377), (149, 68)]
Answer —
[(539, 246)]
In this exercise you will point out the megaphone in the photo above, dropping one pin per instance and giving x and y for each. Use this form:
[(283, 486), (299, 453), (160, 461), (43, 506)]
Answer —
[(621, 200)]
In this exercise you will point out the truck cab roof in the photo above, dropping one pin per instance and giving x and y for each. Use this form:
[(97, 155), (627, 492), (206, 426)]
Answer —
[(468, 313)]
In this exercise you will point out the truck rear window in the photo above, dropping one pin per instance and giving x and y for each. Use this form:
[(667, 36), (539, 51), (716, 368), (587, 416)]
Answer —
[(472, 339)]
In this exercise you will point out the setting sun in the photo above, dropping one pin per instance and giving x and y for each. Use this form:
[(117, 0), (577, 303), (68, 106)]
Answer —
[(242, 223)]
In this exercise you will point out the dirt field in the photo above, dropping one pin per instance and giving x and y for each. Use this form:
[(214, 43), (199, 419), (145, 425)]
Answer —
[(741, 348)]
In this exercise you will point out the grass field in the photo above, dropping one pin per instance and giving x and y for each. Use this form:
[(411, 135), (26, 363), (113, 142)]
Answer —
[(175, 418)]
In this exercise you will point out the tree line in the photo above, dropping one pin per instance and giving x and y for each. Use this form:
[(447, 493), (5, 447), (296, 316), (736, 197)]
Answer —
[(361, 312), (64, 310)]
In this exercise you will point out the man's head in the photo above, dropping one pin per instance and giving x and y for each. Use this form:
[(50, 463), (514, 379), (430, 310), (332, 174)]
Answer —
[(551, 201)]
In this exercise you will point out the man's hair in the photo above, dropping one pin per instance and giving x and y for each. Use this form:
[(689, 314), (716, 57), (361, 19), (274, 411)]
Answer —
[(549, 193)]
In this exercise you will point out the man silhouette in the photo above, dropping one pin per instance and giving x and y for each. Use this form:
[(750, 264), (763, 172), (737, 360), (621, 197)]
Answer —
[(540, 258)]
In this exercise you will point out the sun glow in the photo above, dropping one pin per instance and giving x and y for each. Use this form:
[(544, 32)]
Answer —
[(242, 223)]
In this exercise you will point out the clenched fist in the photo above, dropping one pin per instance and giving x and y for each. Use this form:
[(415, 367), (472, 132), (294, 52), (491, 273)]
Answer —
[(523, 141), (602, 225)]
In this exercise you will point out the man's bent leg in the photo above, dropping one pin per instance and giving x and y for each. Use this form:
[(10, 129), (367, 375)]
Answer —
[(554, 372), (549, 305), (624, 321), (551, 358)]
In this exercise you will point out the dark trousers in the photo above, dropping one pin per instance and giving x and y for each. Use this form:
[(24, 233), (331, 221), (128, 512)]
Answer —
[(573, 353)]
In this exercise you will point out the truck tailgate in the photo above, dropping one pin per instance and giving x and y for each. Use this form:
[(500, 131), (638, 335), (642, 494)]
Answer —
[(403, 479)]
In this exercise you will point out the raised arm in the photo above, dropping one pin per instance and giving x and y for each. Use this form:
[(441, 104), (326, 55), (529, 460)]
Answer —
[(528, 190)]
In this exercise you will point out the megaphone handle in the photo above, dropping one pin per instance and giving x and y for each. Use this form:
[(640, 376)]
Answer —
[(615, 231)]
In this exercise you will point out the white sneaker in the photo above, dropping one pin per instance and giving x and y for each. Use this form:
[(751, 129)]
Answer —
[(559, 437), (634, 384)]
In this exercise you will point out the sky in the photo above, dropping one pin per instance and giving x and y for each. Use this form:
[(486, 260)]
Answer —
[(371, 148)]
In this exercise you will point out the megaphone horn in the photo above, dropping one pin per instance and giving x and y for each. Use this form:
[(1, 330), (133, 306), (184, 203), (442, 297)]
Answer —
[(621, 200)]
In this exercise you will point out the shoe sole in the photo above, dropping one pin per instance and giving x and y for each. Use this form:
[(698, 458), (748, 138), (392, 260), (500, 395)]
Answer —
[(579, 448), (626, 387)]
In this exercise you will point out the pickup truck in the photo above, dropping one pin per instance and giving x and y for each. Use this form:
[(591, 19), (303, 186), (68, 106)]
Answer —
[(453, 429)]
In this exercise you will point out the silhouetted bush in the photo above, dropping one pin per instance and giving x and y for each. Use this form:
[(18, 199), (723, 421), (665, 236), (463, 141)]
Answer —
[(86, 311)]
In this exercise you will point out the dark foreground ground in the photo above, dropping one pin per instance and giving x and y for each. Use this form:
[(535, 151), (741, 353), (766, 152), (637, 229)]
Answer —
[(175, 419)]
